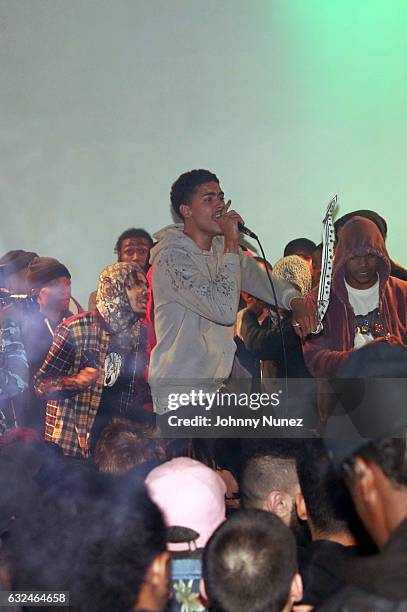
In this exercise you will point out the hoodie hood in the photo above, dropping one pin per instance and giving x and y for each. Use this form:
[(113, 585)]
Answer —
[(113, 304), (173, 235), (366, 214), (359, 236)]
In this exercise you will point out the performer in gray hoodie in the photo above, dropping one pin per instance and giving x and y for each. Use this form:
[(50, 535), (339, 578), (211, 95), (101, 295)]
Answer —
[(198, 273)]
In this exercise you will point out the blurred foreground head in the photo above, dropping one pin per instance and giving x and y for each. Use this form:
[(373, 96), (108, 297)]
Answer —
[(99, 537), (374, 460)]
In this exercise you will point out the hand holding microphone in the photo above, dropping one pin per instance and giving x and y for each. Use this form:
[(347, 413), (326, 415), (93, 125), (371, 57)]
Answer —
[(228, 221), (232, 224)]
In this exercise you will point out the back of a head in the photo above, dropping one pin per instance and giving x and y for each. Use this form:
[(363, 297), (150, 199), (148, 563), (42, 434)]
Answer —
[(14, 263), (249, 563), (390, 455), (295, 270), (185, 185), (300, 246), (124, 444), (264, 472), (328, 503), (92, 529), (366, 214), (42, 270), (189, 494)]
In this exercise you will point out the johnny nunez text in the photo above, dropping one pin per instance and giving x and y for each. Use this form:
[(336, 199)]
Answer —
[(230, 421)]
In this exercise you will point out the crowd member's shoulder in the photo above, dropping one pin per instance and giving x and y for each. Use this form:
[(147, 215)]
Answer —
[(351, 598), (83, 319), (397, 284), (397, 270)]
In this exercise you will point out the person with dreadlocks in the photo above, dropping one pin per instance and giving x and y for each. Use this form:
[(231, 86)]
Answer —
[(95, 369)]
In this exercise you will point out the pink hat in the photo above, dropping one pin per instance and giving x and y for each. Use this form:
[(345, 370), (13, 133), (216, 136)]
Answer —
[(189, 494)]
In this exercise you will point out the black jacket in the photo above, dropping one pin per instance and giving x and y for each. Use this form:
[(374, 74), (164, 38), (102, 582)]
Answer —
[(384, 574), (320, 567), (266, 344), (352, 599)]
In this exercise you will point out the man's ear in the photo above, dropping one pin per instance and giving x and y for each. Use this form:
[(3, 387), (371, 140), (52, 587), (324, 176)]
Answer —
[(278, 503), (301, 507), (185, 211), (160, 566), (296, 589), (365, 481), (40, 295), (156, 584), (203, 593)]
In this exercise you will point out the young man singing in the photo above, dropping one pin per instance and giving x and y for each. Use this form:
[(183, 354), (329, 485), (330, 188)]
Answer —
[(198, 273)]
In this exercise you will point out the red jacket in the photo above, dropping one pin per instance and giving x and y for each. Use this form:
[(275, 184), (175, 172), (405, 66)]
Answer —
[(325, 352)]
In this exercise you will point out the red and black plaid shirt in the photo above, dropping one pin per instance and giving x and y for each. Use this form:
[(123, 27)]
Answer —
[(79, 342)]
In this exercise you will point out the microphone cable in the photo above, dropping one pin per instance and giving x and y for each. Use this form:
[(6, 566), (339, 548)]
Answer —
[(280, 327)]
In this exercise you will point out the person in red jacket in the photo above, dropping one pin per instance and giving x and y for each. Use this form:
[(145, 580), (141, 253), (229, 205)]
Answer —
[(366, 303)]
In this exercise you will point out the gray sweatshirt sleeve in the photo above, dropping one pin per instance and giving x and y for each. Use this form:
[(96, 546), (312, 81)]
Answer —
[(177, 276), (255, 281)]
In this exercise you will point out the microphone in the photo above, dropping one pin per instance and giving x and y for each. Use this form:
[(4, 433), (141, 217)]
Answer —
[(245, 230)]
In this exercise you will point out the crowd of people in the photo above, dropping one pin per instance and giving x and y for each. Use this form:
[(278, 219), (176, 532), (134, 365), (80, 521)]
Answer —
[(102, 511)]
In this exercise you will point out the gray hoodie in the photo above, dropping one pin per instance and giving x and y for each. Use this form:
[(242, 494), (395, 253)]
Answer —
[(196, 297)]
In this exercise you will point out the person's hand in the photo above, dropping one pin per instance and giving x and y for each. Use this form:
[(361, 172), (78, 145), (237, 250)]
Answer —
[(390, 339), (84, 378), (304, 317), (228, 221), (65, 386), (257, 307)]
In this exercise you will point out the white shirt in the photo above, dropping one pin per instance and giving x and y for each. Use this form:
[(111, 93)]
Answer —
[(363, 301)]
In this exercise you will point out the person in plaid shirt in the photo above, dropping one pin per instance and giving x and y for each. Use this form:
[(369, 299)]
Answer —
[(96, 367)]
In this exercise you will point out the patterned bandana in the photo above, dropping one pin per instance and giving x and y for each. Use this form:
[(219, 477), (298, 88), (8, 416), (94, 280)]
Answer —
[(294, 270), (113, 304)]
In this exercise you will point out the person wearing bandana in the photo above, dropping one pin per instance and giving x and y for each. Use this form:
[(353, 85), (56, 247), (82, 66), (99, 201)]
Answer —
[(96, 367)]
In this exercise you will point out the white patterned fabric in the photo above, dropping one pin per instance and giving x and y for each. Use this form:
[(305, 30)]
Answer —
[(328, 241)]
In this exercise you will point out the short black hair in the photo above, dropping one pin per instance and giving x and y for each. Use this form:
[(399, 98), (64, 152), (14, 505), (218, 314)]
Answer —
[(328, 502), (269, 469), (185, 185), (91, 529), (249, 563), (373, 216), (303, 244), (390, 455), (132, 232)]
